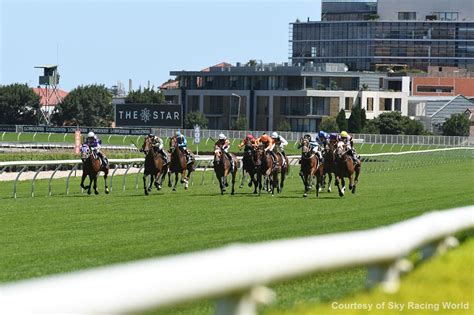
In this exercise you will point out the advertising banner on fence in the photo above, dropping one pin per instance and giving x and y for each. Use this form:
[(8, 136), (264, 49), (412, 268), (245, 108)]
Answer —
[(99, 130), (77, 141), (148, 115)]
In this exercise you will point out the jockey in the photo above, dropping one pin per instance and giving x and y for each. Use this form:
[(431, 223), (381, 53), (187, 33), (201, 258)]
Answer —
[(94, 144), (323, 138), (224, 144), (315, 146), (281, 143), (182, 145), (333, 137), (158, 146), (248, 141), (346, 139), (268, 145)]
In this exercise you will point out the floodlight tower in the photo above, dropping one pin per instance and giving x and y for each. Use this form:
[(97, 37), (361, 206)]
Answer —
[(50, 81)]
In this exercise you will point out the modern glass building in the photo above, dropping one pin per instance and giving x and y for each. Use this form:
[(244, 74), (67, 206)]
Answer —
[(268, 95), (406, 34)]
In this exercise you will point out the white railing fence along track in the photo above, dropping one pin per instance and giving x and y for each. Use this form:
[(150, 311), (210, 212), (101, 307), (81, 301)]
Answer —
[(371, 163), (234, 275)]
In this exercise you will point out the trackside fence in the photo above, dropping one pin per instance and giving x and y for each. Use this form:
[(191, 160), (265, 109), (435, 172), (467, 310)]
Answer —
[(379, 162), (235, 275)]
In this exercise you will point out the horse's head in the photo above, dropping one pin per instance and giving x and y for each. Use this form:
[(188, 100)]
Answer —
[(258, 156), (173, 143), (305, 147), (340, 150), (147, 145), (217, 154), (85, 152)]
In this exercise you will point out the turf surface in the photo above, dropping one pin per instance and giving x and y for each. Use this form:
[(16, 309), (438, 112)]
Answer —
[(46, 235)]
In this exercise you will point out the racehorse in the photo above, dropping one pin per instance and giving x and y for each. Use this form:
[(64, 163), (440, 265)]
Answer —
[(310, 167), (155, 166), (222, 167), (283, 168), (345, 168), (248, 166), (91, 166), (178, 165), (329, 164), (265, 169)]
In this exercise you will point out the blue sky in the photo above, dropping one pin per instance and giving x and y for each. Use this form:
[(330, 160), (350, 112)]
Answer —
[(108, 41)]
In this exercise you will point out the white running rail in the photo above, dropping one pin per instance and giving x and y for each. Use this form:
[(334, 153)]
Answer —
[(233, 274)]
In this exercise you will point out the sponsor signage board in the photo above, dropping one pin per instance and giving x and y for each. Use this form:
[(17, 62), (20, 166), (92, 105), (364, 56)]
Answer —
[(148, 115)]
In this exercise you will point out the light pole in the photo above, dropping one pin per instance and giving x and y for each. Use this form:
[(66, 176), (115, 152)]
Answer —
[(238, 109)]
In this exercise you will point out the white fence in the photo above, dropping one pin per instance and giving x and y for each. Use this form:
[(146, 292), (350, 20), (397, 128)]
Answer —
[(390, 161), (234, 274)]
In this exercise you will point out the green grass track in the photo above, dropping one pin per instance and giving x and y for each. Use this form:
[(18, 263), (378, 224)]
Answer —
[(48, 235)]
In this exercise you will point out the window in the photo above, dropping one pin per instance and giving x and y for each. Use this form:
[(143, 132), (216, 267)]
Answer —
[(349, 102), (447, 16), (370, 104), (434, 89), (398, 104), (407, 16), (385, 104)]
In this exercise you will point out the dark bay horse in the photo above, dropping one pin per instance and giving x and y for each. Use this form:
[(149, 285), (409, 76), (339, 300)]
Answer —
[(248, 166), (310, 167), (91, 166), (222, 169), (329, 163), (345, 168), (265, 170), (155, 166), (283, 168), (178, 165)]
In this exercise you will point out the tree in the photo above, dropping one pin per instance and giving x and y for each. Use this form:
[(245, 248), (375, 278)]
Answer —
[(251, 63), (456, 125), (89, 105), (283, 125), (390, 123), (363, 118), (18, 105), (147, 96), (341, 120), (195, 118), (354, 124), (329, 124), (371, 127), (412, 127), (240, 124)]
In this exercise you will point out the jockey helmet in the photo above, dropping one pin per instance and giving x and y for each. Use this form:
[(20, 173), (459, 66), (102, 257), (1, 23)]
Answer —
[(344, 134), (178, 134), (150, 135), (249, 136), (307, 136), (222, 136), (264, 138), (322, 134), (90, 135), (274, 135)]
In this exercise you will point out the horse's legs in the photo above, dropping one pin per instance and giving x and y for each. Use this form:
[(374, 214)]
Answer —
[(356, 180), (234, 175), (259, 182), (243, 178), (283, 176), (145, 188), (169, 179), (152, 181), (175, 181), (84, 175), (95, 185), (222, 184), (274, 179), (329, 181), (184, 179), (341, 192), (106, 174)]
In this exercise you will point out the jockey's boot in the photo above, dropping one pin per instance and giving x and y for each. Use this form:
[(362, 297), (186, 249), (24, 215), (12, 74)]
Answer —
[(283, 158), (274, 159), (165, 156), (231, 160)]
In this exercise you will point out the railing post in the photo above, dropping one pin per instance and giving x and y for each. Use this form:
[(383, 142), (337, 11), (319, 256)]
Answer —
[(138, 175), (34, 179), (69, 176), (125, 176), (112, 176), (245, 303), (51, 178), (16, 181)]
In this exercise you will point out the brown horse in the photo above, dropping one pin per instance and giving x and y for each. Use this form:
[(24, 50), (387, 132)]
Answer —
[(222, 169), (310, 167), (265, 170), (91, 166), (155, 166), (329, 163), (345, 168), (178, 165), (283, 169), (248, 166)]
